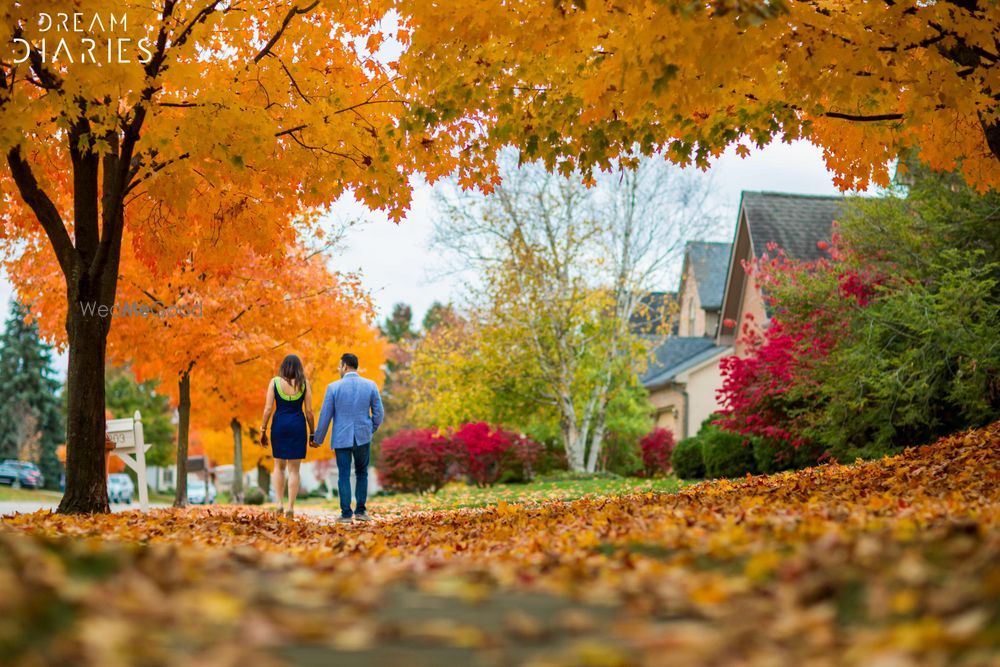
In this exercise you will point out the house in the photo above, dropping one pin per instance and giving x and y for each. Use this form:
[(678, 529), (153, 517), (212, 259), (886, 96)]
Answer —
[(653, 314), (796, 224), (683, 372), (715, 296)]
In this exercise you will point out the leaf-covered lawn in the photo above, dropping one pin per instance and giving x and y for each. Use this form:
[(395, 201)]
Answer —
[(895, 562), (458, 496)]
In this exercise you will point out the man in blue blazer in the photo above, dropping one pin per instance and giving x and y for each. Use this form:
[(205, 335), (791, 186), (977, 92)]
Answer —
[(354, 406)]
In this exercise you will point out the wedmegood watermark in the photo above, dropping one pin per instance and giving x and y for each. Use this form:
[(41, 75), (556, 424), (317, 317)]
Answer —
[(140, 309), (70, 38)]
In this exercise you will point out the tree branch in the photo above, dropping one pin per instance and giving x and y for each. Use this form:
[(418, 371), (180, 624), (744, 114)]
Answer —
[(292, 13), (45, 210), (863, 118)]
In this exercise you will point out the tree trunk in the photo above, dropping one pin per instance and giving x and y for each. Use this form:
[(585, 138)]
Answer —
[(183, 421), (86, 477), (574, 444), (237, 490), (596, 442)]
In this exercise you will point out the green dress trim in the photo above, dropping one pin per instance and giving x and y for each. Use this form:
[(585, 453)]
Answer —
[(277, 387)]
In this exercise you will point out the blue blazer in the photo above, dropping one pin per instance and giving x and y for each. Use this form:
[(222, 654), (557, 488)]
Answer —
[(354, 406)]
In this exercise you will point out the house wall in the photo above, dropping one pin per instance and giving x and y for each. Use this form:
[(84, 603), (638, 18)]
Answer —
[(711, 322), (752, 304), (689, 300), (668, 409), (702, 385), (735, 284)]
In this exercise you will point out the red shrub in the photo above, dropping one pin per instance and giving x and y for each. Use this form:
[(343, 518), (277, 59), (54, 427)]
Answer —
[(418, 460), (770, 392), (657, 446), (490, 455)]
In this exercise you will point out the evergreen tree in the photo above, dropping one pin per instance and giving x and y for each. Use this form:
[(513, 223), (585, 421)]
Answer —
[(399, 326), (31, 420)]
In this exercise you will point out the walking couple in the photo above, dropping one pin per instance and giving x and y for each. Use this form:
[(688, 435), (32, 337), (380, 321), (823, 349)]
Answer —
[(352, 405)]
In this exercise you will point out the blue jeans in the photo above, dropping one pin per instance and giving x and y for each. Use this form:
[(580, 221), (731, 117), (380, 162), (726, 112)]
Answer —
[(360, 455)]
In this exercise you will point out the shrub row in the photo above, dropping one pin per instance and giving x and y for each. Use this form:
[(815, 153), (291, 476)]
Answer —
[(425, 459), (715, 453)]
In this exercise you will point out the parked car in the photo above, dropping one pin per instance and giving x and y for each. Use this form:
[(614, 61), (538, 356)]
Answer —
[(21, 473), (120, 488), (196, 491)]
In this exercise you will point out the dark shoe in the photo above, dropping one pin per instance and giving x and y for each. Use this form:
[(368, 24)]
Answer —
[(344, 519), (362, 516)]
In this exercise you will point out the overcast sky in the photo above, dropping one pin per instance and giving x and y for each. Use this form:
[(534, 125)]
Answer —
[(398, 264)]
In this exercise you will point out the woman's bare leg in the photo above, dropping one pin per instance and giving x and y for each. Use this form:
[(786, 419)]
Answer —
[(293, 482), (279, 482)]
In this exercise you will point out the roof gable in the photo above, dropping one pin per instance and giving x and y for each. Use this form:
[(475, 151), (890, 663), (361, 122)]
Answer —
[(795, 223), (708, 262)]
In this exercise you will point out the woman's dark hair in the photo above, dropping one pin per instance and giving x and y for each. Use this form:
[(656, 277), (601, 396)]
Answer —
[(291, 369)]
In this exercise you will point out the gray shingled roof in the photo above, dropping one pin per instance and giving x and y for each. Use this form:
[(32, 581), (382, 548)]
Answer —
[(796, 223), (709, 261), (675, 354), (652, 312)]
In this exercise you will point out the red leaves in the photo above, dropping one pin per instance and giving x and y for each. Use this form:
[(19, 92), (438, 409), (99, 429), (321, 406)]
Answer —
[(417, 460), (425, 460), (656, 449)]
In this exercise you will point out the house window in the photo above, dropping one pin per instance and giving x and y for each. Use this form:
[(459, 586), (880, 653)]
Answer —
[(691, 318)]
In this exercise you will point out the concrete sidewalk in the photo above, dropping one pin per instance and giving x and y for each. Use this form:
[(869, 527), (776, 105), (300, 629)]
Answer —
[(28, 506)]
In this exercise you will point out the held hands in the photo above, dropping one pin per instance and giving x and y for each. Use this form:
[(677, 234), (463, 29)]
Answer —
[(312, 443), (263, 438)]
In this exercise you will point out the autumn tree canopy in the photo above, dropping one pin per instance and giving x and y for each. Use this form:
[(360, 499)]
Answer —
[(178, 122), (578, 82)]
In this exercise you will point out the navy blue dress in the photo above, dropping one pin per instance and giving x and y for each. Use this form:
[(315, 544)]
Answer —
[(288, 427)]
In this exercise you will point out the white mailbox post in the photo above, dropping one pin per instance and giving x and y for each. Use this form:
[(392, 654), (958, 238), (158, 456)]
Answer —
[(131, 448)]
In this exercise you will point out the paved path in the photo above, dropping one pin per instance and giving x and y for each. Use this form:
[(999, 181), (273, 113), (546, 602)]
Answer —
[(28, 506)]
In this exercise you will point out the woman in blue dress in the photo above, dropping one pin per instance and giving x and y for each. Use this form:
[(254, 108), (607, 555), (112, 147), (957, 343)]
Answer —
[(287, 394)]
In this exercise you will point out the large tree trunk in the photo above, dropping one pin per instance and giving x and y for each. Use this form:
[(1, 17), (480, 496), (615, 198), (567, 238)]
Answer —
[(597, 440), (237, 491), (183, 422), (86, 477), (574, 443)]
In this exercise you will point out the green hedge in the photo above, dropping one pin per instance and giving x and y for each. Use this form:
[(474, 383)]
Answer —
[(726, 454), (686, 459), (774, 456)]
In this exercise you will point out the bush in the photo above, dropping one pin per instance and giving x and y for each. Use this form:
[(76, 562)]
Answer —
[(416, 460), (686, 459), (657, 447), (726, 454), (491, 455), (254, 496), (772, 455), (520, 462)]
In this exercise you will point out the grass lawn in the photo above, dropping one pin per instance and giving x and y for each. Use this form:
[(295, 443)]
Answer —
[(8, 494), (457, 495)]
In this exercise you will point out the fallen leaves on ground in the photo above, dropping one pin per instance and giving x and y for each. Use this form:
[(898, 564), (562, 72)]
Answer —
[(457, 495), (888, 563)]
